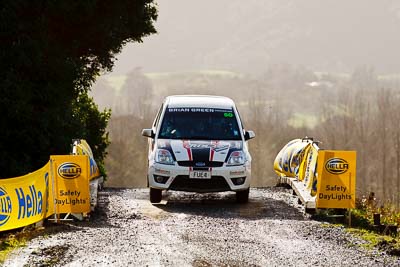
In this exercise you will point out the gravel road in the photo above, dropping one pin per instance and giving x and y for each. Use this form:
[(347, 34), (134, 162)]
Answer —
[(197, 230)]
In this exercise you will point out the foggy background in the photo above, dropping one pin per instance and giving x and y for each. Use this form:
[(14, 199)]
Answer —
[(325, 69)]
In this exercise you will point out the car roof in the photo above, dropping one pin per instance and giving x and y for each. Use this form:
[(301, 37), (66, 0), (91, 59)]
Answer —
[(208, 101)]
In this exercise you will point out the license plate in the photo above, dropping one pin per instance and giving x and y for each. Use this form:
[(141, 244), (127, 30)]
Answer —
[(200, 175)]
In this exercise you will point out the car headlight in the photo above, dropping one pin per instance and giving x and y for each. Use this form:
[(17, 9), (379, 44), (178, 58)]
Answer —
[(236, 158), (164, 157)]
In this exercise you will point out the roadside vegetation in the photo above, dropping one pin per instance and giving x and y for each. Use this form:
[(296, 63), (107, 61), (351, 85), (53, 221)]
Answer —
[(8, 244), (376, 223), (15, 239)]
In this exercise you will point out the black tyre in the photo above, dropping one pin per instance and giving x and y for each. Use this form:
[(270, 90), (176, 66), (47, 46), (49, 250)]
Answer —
[(242, 196), (155, 195)]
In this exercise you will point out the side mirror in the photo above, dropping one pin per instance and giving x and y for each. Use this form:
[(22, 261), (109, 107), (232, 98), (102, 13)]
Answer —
[(148, 133), (249, 135)]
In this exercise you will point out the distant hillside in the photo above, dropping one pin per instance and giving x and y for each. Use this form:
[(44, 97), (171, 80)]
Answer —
[(247, 36)]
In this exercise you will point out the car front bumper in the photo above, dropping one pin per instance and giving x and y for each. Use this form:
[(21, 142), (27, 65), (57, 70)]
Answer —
[(177, 178)]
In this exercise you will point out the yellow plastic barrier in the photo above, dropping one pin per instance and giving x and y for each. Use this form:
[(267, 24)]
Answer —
[(308, 168), (326, 178), (81, 147), (298, 159), (289, 159), (61, 186)]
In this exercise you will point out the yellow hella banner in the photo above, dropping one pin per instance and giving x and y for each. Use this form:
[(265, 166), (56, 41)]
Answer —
[(71, 187), (26, 199), (61, 186), (336, 179)]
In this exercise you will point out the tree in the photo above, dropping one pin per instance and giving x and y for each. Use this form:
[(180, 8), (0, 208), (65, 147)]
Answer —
[(50, 54)]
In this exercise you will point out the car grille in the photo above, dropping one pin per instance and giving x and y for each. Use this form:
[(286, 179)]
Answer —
[(184, 183), (210, 164)]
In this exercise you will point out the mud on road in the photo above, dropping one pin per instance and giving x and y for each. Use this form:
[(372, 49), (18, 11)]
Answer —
[(197, 230)]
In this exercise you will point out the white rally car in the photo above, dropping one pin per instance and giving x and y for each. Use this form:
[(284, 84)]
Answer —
[(198, 144)]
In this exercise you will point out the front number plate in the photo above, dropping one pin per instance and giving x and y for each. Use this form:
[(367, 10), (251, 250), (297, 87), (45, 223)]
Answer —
[(200, 175)]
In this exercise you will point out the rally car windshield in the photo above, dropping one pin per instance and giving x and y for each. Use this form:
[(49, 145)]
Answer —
[(199, 124)]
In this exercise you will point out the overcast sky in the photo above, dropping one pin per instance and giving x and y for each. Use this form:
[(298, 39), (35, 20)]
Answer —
[(248, 36)]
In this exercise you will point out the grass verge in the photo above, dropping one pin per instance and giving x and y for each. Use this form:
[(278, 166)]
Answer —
[(373, 236)]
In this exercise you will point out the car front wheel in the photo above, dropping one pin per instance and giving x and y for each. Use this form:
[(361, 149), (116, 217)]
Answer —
[(242, 196), (155, 195)]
